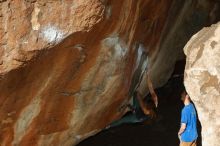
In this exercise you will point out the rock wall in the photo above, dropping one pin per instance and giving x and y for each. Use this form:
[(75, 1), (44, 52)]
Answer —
[(202, 80), (185, 19), (68, 67)]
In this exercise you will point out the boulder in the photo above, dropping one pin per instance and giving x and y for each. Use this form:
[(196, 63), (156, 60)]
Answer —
[(202, 80)]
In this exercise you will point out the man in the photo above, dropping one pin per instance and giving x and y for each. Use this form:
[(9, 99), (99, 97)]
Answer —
[(148, 108), (188, 130), (141, 110)]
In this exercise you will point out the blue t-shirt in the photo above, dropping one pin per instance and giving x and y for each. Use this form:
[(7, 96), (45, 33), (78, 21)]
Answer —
[(188, 116)]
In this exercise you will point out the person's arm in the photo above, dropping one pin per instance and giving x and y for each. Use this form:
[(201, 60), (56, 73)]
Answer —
[(151, 89), (142, 105), (182, 128), (184, 120)]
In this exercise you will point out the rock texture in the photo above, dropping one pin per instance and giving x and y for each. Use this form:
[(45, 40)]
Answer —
[(202, 80), (68, 67)]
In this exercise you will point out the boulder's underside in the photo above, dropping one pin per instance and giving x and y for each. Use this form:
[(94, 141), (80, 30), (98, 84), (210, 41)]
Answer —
[(67, 68)]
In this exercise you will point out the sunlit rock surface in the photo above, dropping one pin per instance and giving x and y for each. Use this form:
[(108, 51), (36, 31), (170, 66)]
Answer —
[(202, 80), (68, 67)]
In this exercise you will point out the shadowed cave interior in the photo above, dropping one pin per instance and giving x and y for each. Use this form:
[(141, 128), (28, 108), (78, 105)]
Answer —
[(161, 131)]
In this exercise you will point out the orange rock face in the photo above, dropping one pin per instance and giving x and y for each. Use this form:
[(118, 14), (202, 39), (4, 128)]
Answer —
[(67, 67)]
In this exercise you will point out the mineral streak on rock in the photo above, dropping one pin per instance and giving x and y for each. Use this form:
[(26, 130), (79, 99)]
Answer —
[(34, 18), (202, 80), (52, 34), (66, 67)]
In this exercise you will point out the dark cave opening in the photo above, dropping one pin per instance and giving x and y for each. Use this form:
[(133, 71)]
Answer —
[(162, 131)]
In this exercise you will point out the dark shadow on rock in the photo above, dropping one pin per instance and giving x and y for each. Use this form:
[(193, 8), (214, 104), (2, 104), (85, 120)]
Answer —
[(161, 131)]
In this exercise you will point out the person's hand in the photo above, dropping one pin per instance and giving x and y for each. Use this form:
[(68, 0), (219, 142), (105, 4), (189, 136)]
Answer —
[(179, 136)]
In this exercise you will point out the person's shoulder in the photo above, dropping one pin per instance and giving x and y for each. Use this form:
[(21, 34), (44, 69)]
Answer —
[(184, 109), (192, 107)]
